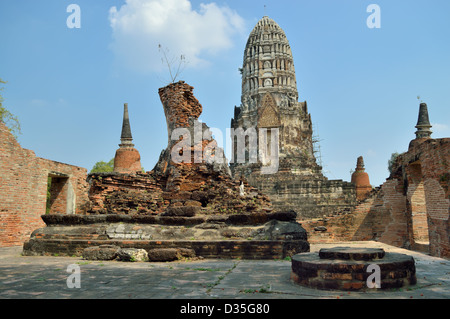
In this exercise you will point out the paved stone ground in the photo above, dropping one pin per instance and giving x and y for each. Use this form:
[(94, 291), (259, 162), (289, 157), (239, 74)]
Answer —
[(46, 278)]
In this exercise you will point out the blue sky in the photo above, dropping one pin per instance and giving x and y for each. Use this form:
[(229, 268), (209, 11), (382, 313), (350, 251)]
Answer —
[(68, 85)]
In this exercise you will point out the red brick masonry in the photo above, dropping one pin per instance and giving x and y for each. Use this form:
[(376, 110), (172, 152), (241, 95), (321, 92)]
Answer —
[(410, 210), (23, 189)]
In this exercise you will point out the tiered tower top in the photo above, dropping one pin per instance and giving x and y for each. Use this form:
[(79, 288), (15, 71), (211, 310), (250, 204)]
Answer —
[(268, 64), (423, 122), (126, 138)]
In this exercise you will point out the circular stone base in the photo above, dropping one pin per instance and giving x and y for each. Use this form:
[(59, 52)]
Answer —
[(349, 253), (344, 268)]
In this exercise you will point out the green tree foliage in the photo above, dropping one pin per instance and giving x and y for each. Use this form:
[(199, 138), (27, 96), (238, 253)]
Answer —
[(391, 161), (103, 167), (11, 121)]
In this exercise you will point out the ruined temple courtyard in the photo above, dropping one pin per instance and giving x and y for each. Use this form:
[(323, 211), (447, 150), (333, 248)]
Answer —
[(268, 224), (44, 277)]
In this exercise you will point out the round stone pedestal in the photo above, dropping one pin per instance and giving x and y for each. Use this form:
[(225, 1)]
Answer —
[(346, 268), (347, 253)]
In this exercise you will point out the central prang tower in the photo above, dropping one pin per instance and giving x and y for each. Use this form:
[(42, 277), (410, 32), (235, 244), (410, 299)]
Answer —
[(269, 104), (270, 100)]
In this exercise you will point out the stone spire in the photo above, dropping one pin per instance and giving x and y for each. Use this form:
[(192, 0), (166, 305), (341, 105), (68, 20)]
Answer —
[(423, 123), (127, 159), (268, 64), (360, 164), (126, 138)]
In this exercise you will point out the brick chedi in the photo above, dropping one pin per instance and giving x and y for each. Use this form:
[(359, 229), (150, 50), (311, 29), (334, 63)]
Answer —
[(361, 180), (127, 158), (188, 205), (277, 153)]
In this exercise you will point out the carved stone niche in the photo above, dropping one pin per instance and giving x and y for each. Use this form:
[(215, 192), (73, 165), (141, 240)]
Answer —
[(268, 115), (268, 82)]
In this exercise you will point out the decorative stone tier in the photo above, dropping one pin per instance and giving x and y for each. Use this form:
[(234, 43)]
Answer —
[(351, 253), (344, 268), (247, 236), (216, 249), (311, 196)]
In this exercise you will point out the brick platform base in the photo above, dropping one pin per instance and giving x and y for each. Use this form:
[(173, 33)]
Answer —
[(206, 236), (226, 249), (346, 268)]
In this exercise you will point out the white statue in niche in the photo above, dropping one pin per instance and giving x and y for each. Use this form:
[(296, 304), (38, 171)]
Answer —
[(247, 104), (267, 82), (291, 99), (241, 189)]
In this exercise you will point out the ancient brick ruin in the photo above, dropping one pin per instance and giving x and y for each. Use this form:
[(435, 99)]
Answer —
[(269, 104), (190, 182), (24, 180), (410, 210), (192, 203), (188, 205)]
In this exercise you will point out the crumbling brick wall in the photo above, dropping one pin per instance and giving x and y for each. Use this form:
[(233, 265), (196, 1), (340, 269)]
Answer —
[(23, 189), (410, 210), (192, 182), (380, 217), (426, 174)]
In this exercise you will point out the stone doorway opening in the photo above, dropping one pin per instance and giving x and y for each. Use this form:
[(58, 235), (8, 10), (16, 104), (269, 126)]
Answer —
[(417, 209), (60, 194)]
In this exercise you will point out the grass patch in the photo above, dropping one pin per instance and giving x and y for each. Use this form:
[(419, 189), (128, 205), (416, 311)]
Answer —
[(219, 279), (204, 269), (265, 289)]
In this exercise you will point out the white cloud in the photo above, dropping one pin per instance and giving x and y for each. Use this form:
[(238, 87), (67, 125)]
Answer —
[(39, 103), (139, 26), (439, 128), (370, 152)]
